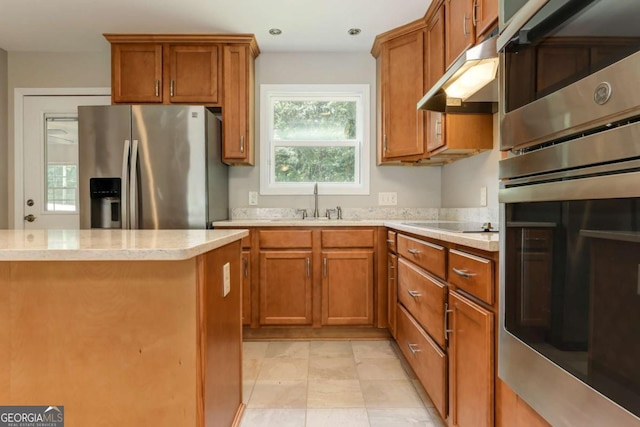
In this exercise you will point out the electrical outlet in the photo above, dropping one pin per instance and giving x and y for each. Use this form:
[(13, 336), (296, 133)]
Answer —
[(253, 198), (388, 199), (483, 196), (226, 279)]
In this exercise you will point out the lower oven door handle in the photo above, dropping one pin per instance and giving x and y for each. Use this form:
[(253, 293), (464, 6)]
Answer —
[(620, 185)]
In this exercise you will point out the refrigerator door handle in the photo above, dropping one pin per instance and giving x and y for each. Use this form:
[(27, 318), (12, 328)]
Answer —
[(133, 186), (124, 186)]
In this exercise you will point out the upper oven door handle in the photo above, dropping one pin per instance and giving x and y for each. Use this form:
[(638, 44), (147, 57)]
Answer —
[(518, 20), (621, 185)]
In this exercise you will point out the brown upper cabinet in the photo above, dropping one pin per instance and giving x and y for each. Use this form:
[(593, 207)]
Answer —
[(410, 136), (400, 64), (202, 69), (467, 21)]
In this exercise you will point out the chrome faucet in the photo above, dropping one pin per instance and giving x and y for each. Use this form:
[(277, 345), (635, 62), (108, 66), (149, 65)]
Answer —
[(316, 212)]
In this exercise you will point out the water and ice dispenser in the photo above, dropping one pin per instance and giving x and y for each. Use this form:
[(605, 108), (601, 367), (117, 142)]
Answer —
[(105, 202)]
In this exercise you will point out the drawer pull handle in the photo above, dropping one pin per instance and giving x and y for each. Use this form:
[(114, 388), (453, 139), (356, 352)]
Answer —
[(462, 273), (413, 349), (390, 241), (414, 294), (413, 251)]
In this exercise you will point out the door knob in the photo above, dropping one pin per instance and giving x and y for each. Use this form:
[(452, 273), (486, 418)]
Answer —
[(30, 218)]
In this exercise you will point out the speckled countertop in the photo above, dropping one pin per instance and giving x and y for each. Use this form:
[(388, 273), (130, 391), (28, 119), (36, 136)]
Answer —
[(111, 245), (488, 242)]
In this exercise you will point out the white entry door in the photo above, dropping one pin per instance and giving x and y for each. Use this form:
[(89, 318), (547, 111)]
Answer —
[(50, 155)]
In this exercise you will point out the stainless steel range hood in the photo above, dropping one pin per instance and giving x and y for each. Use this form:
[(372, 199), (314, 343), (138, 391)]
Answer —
[(470, 85)]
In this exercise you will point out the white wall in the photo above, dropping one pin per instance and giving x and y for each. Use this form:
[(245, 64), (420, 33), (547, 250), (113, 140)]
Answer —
[(4, 135), (416, 186), (461, 180), (47, 70), (454, 185)]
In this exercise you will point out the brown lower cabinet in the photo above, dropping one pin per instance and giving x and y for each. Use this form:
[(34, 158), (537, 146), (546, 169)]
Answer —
[(470, 363), (347, 287), (285, 288), (512, 411), (445, 325)]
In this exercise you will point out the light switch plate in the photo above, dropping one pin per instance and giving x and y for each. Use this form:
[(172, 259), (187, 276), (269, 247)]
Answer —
[(226, 279), (388, 199), (483, 196), (253, 198)]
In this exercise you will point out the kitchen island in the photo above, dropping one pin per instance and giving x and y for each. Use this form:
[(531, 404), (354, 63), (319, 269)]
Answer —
[(126, 328)]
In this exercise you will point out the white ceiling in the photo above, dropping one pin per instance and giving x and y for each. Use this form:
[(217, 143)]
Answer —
[(307, 25)]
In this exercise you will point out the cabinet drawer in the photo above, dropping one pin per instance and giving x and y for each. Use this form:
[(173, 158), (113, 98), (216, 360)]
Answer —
[(427, 360), (391, 241), (246, 241), (427, 255), (472, 274), (347, 238), (424, 298), (285, 239)]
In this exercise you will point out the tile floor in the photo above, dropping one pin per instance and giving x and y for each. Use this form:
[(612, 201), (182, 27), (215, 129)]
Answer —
[(331, 384)]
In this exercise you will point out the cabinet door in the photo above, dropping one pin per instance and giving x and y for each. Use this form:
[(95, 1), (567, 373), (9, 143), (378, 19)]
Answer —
[(392, 289), (237, 113), (347, 287), (485, 15), (285, 287), (136, 73), (402, 78), (435, 70), (470, 363), (246, 287), (459, 28), (193, 72)]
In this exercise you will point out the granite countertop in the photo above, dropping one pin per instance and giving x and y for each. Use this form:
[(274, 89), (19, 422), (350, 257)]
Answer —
[(489, 242), (111, 245)]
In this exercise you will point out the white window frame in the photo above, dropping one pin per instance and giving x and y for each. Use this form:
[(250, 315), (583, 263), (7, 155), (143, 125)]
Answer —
[(357, 92)]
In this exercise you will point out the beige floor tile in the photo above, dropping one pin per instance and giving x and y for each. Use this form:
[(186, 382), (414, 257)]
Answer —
[(284, 369), (279, 394), (250, 368), (335, 394), (372, 350), (247, 388), (330, 349), (380, 369), (390, 394), (353, 417), (336, 368), (254, 417), (401, 417), (288, 349), (254, 349)]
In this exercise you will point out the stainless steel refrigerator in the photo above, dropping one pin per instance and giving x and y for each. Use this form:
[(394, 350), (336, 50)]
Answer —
[(151, 167)]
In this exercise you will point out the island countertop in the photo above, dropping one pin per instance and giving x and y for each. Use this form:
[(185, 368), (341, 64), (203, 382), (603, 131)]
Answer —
[(111, 245)]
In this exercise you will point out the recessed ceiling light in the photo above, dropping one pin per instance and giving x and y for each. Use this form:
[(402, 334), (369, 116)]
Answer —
[(354, 31), (275, 31)]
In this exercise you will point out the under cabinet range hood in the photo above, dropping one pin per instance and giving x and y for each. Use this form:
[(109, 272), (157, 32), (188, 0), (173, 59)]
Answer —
[(470, 85)]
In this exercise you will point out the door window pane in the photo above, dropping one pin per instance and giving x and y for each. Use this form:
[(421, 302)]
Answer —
[(61, 160)]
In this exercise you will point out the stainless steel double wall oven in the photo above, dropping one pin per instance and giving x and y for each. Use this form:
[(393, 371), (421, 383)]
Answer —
[(570, 207)]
